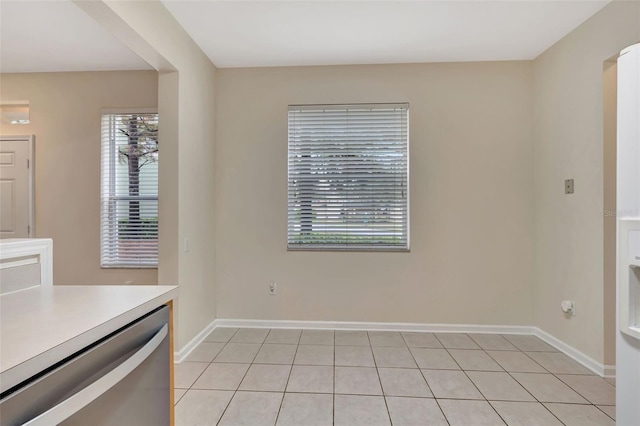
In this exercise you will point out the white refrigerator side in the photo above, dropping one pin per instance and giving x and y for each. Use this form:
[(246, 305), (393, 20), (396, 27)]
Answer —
[(628, 209)]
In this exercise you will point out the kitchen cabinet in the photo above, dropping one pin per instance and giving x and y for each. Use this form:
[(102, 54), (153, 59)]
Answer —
[(45, 330)]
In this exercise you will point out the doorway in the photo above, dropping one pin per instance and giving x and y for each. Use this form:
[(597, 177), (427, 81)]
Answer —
[(17, 187)]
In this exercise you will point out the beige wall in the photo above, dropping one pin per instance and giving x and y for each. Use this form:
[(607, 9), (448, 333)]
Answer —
[(65, 118), (568, 143), (187, 128), (471, 258)]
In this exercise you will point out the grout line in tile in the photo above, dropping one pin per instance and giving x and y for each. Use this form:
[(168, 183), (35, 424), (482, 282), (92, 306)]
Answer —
[(605, 411), (375, 363), (581, 374), (510, 375), (469, 378), (209, 364), (284, 392), (544, 404), (536, 399), (176, 402), (380, 381), (576, 390), (427, 382), (243, 377)]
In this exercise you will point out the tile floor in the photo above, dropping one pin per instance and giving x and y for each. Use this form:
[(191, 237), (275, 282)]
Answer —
[(323, 377)]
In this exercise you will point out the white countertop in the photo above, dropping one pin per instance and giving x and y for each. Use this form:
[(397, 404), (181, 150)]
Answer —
[(43, 325)]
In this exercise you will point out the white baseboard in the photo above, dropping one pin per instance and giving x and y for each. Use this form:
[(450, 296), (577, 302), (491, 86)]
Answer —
[(377, 326), (180, 355), (610, 371), (570, 351), (575, 354)]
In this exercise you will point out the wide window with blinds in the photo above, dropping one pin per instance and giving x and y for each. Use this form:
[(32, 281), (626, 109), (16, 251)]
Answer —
[(348, 177), (129, 191)]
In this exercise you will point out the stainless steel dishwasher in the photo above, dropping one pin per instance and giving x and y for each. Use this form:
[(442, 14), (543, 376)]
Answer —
[(123, 379)]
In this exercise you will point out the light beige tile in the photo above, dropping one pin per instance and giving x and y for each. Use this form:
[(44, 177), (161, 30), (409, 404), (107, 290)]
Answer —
[(186, 373), (314, 355), (451, 384), (421, 340), (276, 354), (201, 407), (517, 362), (352, 338), (434, 359), (492, 342), (177, 394), (317, 337), (357, 381), (499, 386), (465, 413), (252, 409), (386, 338), (221, 334), (393, 357), (609, 410), (357, 410), (529, 343), (221, 376), (311, 378), (548, 388), (595, 389), (456, 341), (264, 377), (284, 336), (354, 356), (205, 352), (474, 360), (580, 415), (250, 335), (558, 363), (525, 413), (403, 382), (306, 409), (239, 353), (415, 411)]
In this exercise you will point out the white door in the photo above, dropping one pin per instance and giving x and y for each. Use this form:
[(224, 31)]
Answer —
[(16, 187)]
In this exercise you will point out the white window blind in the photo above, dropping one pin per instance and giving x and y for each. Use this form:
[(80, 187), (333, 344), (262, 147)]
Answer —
[(129, 191), (348, 177)]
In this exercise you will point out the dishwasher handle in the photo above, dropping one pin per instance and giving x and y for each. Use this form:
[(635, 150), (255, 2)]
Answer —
[(86, 396)]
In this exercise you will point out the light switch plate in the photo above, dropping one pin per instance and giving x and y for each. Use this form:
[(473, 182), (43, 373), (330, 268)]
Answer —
[(568, 186)]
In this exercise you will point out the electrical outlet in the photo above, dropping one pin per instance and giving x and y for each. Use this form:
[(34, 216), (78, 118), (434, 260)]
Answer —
[(568, 186), (568, 307), (272, 288)]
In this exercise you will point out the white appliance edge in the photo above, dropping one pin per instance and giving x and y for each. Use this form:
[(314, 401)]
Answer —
[(628, 208)]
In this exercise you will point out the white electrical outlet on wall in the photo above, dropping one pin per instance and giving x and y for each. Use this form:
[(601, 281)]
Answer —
[(272, 288)]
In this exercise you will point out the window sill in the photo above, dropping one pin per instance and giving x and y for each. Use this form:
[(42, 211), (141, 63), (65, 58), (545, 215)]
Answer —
[(128, 266), (353, 249)]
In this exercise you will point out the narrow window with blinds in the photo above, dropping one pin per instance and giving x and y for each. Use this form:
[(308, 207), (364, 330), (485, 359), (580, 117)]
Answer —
[(348, 177), (129, 191)]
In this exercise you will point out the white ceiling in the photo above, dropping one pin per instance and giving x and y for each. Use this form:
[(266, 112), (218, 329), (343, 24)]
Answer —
[(38, 36), (280, 33)]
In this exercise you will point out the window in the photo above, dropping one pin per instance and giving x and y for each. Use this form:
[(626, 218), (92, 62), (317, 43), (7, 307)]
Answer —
[(348, 177), (129, 191)]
